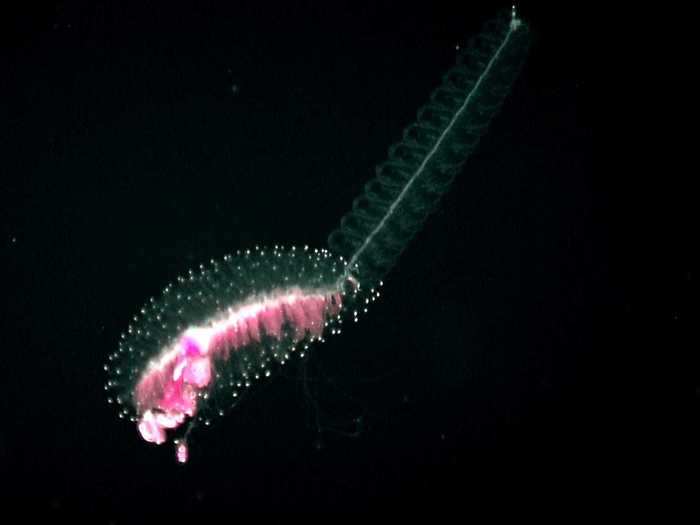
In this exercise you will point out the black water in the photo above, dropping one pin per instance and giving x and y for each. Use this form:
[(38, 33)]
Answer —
[(140, 139)]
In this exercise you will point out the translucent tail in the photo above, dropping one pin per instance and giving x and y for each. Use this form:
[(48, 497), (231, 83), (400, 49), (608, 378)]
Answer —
[(420, 168)]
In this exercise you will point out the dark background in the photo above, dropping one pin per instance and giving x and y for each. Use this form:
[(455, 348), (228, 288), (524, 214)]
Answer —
[(140, 139)]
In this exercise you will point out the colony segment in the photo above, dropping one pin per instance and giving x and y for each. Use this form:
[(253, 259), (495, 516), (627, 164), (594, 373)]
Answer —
[(220, 329), (421, 166)]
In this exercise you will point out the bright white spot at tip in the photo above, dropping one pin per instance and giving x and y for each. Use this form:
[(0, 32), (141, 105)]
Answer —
[(515, 22)]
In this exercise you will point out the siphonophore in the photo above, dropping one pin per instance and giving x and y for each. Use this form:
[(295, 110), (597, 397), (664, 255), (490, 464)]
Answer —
[(189, 354)]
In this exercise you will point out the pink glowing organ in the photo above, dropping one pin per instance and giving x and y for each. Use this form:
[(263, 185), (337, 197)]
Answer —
[(220, 329)]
